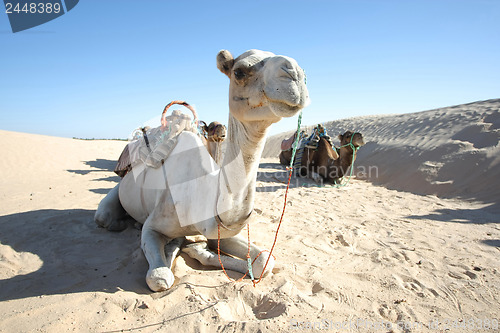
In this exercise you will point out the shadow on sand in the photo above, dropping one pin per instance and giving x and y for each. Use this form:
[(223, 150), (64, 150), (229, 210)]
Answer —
[(469, 216), (275, 172), (98, 166), (77, 255), (277, 175)]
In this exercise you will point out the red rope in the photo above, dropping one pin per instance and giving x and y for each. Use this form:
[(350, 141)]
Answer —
[(218, 253), (248, 233), (277, 229)]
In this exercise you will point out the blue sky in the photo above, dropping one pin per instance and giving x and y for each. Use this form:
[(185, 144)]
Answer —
[(109, 66)]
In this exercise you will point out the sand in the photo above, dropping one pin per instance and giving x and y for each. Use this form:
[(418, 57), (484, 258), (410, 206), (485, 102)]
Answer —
[(412, 248)]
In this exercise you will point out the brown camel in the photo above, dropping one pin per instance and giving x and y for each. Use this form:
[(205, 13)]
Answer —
[(328, 164), (214, 134)]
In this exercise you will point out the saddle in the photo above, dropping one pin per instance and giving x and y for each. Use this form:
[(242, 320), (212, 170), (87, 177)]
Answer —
[(288, 143), (155, 145), (318, 133)]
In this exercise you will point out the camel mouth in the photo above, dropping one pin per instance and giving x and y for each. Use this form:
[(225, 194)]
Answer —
[(288, 95), (285, 109), (217, 139), (359, 142)]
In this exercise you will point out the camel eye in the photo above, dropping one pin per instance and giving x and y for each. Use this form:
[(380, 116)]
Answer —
[(239, 74)]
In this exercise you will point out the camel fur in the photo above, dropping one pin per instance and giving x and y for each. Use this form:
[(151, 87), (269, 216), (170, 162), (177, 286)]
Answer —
[(189, 195)]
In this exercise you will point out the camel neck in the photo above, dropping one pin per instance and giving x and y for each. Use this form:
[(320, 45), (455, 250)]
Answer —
[(346, 159), (245, 143), (214, 150)]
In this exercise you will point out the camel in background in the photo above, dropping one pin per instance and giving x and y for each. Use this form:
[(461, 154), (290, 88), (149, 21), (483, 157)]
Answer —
[(214, 134), (329, 164)]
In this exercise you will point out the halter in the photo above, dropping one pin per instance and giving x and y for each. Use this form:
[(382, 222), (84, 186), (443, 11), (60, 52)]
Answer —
[(219, 221), (354, 148)]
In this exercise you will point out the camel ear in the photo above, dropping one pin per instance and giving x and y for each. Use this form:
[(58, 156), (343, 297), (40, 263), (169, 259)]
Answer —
[(204, 127), (341, 137), (225, 62)]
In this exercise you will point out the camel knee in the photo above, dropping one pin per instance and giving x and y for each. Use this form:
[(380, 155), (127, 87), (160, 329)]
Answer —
[(160, 279), (102, 218), (260, 265), (107, 219), (110, 213)]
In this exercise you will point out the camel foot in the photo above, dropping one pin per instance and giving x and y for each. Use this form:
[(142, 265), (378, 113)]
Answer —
[(111, 224), (160, 279)]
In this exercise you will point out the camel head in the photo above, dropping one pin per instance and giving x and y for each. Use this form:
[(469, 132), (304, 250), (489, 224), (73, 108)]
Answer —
[(351, 137), (264, 86), (215, 132)]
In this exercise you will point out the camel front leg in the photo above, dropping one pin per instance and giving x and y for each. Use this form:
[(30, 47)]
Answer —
[(160, 253), (238, 246), (200, 252), (110, 213)]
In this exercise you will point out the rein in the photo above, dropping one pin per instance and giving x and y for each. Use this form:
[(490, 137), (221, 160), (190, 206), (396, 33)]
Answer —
[(354, 148), (249, 259)]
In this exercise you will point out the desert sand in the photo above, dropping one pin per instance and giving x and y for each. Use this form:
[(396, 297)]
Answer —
[(412, 244)]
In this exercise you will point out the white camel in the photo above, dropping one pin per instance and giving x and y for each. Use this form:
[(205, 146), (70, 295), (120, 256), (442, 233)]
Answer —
[(190, 195)]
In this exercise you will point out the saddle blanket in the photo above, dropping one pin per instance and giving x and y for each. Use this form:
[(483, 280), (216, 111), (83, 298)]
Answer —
[(155, 145), (288, 143)]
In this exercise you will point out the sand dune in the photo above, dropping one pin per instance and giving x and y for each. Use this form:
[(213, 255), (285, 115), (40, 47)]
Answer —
[(450, 152), (412, 249)]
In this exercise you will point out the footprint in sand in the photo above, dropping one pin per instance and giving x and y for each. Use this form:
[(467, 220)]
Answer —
[(242, 308), (387, 313), (397, 315), (390, 256), (267, 308), (415, 286), (341, 240)]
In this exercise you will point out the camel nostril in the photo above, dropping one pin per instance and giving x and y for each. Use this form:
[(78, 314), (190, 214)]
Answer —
[(290, 72)]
